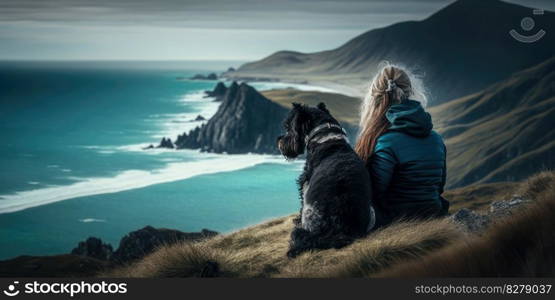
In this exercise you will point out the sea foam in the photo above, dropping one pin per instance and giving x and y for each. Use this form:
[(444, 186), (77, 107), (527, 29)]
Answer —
[(178, 123), (133, 179)]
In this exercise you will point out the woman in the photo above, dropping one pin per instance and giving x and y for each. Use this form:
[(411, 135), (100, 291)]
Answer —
[(404, 156)]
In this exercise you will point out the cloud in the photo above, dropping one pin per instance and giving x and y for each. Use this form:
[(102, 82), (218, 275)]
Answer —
[(194, 29), (249, 14)]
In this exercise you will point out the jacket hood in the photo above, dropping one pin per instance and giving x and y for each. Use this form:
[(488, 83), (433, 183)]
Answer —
[(409, 117)]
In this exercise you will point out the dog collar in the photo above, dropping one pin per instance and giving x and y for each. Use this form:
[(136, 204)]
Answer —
[(318, 128)]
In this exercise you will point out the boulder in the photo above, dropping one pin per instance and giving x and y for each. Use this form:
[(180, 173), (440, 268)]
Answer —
[(200, 118), (95, 248), (478, 222), (505, 208), (139, 243), (471, 221)]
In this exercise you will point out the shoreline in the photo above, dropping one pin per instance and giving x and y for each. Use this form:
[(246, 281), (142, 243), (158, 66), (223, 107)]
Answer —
[(20, 200), (133, 179)]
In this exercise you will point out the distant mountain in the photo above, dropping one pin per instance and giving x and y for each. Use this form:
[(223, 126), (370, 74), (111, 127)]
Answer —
[(245, 122), (460, 49), (505, 132)]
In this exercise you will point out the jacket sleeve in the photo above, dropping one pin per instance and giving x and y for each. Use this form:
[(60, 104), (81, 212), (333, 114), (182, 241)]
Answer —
[(381, 167), (444, 172), (444, 203)]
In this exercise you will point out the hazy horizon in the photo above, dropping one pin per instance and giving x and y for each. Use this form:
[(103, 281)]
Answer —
[(193, 30)]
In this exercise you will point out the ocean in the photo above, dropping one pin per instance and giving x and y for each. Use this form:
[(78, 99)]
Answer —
[(72, 164)]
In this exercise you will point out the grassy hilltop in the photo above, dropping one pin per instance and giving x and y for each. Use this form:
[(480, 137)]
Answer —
[(344, 108), (520, 245)]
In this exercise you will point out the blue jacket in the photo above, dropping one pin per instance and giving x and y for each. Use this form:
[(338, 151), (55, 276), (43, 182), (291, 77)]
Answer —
[(408, 166)]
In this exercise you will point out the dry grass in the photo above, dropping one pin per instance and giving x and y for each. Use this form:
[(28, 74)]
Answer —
[(403, 241), (259, 251), (520, 246), (537, 185), (178, 260), (407, 248), (479, 196)]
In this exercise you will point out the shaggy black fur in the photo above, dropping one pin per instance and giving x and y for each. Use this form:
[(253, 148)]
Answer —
[(334, 187)]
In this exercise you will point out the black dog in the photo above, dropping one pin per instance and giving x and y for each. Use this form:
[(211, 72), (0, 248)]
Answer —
[(334, 187)]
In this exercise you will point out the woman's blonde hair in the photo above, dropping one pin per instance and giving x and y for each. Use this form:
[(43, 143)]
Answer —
[(391, 85)]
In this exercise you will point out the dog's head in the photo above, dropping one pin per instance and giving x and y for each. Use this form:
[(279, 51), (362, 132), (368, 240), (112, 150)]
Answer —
[(298, 124)]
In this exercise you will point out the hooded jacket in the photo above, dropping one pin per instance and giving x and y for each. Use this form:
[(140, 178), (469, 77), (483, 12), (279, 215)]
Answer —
[(408, 166)]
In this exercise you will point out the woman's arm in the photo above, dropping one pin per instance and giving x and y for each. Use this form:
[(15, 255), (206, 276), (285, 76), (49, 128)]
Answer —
[(381, 167)]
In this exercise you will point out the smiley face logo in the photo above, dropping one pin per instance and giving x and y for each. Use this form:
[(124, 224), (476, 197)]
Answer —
[(528, 24), (11, 290)]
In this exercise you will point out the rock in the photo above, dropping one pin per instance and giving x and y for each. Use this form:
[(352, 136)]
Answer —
[(200, 118), (151, 146), (246, 121), (477, 223), (211, 76), (166, 143), (231, 69), (139, 243), (95, 248), (504, 208), (219, 92), (471, 221)]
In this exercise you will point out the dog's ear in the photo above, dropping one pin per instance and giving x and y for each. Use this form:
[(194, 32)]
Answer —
[(299, 127), (322, 106)]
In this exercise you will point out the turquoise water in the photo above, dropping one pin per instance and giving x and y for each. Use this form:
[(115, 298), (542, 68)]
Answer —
[(72, 164)]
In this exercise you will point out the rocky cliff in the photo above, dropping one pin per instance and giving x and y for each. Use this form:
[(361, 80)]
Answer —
[(246, 121), (218, 92)]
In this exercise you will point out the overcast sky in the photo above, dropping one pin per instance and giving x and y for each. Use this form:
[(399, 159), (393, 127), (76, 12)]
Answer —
[(195, 29)]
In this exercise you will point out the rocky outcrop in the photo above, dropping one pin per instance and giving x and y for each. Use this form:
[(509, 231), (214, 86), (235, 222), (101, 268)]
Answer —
[(139, 243), (92, 255), (246, 121), (199, 118), (164, 143), (218, 92), (95, 248), (211, 76), (474, 222)]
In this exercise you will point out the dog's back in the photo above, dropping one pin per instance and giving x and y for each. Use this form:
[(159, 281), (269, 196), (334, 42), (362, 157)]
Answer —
[(340, 187), (335, 185)]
